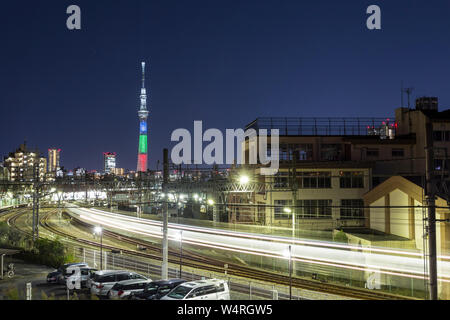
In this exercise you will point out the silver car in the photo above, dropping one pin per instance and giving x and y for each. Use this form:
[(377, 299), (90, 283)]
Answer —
[(211, 289), (123, 289), (104, 280)]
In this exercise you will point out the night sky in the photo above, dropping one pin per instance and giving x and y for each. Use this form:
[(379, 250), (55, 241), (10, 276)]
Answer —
[(223, 62)]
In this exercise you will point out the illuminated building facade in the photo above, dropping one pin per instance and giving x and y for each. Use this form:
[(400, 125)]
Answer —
[(143, 114), (4, 173), (118, 171), (53, 160), (24, 164), (109, 161)]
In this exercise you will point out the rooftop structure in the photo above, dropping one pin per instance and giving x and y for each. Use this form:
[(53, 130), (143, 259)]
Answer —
[(292, 126)]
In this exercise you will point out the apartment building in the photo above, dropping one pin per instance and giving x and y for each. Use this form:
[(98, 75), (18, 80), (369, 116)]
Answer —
[(328, 164), (25, 164)]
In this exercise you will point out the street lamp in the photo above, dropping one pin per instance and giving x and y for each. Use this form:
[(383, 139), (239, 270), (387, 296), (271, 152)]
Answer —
[(99, 230), (244, 179), (210, 202), (288, 254), (289, 211)]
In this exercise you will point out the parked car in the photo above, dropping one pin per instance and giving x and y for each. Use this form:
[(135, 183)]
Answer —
[(78, 277), (60, 276), (212, 289), (104, 280), (53, 276), (156, 290), (123, 289), (64, 274)]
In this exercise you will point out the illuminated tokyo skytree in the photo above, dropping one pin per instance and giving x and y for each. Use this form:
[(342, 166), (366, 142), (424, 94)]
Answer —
[(143, 114)]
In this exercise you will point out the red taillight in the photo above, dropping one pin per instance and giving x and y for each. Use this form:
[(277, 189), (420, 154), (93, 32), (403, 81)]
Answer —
[(120, 292), (99, 286)]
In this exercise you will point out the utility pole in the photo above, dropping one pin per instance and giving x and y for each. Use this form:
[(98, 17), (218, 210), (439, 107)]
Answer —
[(408, 92), (83, 176), (430, 200), (35, 202), (139, 206), (290, 272), (33, 223), (165, 241), (294, 186), (401, 91)]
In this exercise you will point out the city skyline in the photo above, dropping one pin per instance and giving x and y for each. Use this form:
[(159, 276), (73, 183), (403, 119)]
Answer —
[(286, 62)]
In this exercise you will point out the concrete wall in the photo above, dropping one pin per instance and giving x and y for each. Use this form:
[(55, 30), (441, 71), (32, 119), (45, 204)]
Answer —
[(399, 216), (377, 221)]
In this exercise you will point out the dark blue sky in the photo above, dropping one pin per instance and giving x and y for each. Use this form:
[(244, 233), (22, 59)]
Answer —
[(223, 62)]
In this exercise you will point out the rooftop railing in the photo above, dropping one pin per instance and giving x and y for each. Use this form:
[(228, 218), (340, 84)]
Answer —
[(292, 126)]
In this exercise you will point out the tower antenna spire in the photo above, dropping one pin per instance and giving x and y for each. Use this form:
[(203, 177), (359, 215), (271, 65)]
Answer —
[(143, 74)]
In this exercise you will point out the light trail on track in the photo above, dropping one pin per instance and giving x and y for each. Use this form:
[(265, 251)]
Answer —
[(198, 260), (394, 262)]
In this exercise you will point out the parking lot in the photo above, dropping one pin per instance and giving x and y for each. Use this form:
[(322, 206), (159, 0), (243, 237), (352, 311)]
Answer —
[(15, 288), (25, 273)]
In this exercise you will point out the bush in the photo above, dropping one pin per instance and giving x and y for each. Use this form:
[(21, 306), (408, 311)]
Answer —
[(94, 297), (12, 293), (341, 237), (70, 258), (11, 237), (44, 296), (51, 253), (48, 252)]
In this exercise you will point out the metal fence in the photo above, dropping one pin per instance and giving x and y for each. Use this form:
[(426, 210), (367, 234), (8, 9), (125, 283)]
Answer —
[(240, 288), (317, 126)]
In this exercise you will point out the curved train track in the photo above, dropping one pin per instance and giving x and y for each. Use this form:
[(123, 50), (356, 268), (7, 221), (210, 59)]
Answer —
[(194, 260)]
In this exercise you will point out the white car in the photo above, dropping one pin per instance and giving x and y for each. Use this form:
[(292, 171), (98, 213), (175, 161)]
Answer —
[(78, 277), (212, 289), (123, 289)]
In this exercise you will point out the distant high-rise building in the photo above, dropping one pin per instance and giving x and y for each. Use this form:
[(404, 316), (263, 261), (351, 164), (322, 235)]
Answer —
[(142, 113), (109, 161), (79, 172), (25, 164), (53, 160)]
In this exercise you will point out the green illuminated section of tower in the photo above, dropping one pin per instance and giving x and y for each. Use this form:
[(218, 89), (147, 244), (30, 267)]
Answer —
[(143, 143)]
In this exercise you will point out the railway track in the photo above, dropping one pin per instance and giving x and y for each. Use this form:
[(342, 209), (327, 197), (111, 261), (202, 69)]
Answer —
[(194, 260)]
